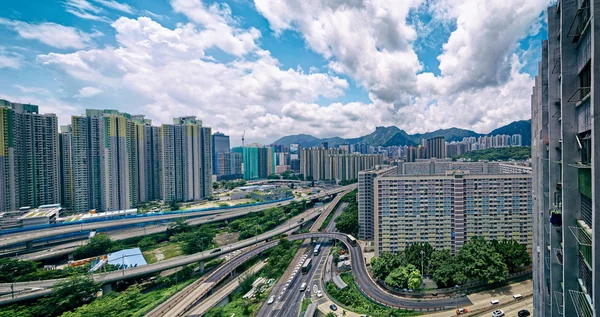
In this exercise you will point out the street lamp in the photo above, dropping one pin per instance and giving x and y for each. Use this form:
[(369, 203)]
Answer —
[(422, 276)]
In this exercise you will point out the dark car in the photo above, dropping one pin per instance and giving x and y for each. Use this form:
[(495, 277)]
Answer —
[(333, 307), (215, 251), (524, 313)]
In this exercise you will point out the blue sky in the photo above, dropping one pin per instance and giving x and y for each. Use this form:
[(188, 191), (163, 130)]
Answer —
[(277, 67)]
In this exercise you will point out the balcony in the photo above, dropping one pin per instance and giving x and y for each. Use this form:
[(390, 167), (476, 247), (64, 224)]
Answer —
[(582, 303), (580, 22), (558, 299), (584, 238), (559, 255)]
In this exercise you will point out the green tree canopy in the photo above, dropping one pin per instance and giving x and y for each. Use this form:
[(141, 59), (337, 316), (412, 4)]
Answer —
[(479, 260), (413, 254), (415, 280), (513, 253), (98, 245)]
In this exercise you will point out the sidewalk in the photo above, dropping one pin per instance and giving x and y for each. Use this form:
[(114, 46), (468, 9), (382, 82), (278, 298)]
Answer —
[(503, 294)]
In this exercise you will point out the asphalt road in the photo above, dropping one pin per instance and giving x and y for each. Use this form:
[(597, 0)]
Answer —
[(291, 302), (16, 238)]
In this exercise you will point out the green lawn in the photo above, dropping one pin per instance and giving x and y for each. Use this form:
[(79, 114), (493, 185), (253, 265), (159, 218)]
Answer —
[(169, 250)]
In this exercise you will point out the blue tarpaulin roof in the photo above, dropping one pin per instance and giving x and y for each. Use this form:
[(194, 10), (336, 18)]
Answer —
[(129, 258)]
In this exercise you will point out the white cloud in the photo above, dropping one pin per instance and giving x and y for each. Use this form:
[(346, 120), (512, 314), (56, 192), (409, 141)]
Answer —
[(168, 71), (84, 10), (123, 7), (87, 92), (51, 34), (367, 40), (9, 60)]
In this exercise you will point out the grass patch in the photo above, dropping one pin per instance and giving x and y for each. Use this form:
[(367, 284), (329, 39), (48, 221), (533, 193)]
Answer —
[(351, 298), (171, 250), (150, 256), (305, 303)]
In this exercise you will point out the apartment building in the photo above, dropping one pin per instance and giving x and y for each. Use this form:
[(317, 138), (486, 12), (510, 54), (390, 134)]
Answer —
[(335, 164), (564, 157), (366, 199), (29, 162), (446, 210)]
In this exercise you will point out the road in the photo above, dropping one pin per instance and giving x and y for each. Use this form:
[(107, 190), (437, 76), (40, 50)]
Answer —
[(22, 237), (114, 276), (201, 308), (291, 302), (363, 280)]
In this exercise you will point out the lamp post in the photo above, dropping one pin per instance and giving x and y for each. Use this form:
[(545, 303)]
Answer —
[(422, 273)]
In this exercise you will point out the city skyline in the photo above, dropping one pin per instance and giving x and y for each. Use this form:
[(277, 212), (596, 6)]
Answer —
[(277, 75)]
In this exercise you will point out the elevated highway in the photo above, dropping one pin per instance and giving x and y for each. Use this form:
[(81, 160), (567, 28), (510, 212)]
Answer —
[(181, 302), (217, 215), (359, 271)]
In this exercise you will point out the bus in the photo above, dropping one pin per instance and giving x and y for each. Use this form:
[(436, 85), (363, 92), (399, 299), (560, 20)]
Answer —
[(351, 240), (317, 250), (306, 266)]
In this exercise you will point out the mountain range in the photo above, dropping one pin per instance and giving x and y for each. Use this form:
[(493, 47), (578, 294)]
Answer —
[(394, 136)]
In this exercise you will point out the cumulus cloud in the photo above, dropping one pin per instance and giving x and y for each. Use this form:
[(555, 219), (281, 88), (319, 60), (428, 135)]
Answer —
[(87, 92), (170, 71), (52, 34), (367, 40)]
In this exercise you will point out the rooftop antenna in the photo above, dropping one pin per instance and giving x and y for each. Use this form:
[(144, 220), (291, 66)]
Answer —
[(243, 134)]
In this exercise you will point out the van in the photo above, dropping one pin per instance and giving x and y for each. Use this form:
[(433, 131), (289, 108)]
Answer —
[(303, 287), (517, 296), (494, 302)]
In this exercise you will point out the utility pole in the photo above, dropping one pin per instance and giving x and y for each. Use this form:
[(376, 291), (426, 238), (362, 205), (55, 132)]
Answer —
[(422, 273)]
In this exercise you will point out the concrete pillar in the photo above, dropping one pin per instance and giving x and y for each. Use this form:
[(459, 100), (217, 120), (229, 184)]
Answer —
[(29, 246), (106, 288), (201, 267)]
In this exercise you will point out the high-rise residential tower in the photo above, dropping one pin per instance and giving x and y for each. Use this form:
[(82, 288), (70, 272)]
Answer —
[(565, 161), (436, 147), (66, 166), (186, 160), (220, 144), (366, 199), (29, 162)]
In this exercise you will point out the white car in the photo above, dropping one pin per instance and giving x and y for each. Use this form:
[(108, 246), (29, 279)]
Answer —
[(319, 294), (271, 300), (498, 313)]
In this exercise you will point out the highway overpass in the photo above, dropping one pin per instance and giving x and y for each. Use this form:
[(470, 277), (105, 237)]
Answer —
[(24, 237), (359, 270)]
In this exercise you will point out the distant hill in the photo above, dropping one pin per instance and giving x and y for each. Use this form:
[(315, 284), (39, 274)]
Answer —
[(452, 134), (522, 127), (394, 136)]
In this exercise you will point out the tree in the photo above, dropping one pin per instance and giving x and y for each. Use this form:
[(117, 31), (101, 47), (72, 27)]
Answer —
[(382, 266), (98, 245), (399, 276), (513, 253), (439, 258), (273, 176), (194, 241), (10, 269), (479, 260), (173, 205), (146, 243), (413, 254), (415, 280), (74, 292), (330, 314), (178, 226)]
